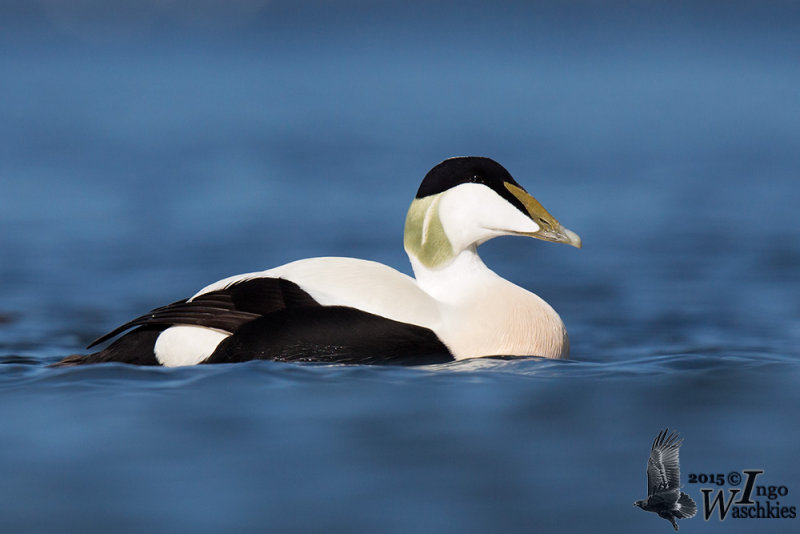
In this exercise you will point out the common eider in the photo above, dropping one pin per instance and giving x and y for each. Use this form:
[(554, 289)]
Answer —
[(347, 310)]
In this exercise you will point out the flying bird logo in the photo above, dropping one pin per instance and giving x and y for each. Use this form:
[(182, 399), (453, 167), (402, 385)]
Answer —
[(664, 495)]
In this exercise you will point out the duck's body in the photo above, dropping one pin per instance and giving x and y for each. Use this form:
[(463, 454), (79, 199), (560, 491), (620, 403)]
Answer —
[(351, 310)]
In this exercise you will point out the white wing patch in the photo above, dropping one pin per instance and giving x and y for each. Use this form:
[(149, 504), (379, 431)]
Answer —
[(186, 345)]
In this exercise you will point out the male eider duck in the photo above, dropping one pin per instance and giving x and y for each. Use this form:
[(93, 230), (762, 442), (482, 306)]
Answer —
[(346, 310)]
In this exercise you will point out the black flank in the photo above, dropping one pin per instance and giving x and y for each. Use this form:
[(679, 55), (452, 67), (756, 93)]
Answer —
[(332, 334)]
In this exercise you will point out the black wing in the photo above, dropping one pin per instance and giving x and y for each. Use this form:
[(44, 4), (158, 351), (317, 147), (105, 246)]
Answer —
[(663, 467), (331, 334), (225, 309)]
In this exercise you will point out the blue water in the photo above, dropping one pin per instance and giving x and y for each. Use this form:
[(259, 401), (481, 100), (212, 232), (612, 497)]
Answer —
[(145, 152)]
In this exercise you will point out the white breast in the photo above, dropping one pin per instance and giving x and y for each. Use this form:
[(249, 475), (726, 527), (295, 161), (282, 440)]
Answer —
[(484, 314), (510, 322)]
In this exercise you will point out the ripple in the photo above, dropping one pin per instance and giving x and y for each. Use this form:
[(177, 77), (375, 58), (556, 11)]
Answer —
[(21, 370)]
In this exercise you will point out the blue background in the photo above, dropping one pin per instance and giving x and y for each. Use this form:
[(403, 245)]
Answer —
[(149, 148)]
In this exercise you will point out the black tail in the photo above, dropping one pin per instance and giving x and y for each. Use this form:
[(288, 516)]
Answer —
[(686, 507), (135, 347)]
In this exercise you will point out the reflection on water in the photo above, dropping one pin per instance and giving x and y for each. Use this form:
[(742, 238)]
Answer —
[(146, 154)]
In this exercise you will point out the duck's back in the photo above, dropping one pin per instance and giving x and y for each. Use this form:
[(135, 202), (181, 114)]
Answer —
[(365, 285)]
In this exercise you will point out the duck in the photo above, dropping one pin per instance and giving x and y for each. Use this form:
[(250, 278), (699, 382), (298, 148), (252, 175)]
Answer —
[(355, 311)]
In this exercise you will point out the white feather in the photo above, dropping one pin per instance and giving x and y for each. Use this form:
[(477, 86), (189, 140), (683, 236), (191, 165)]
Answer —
[(186, 345), (472, 214), (367, 285)]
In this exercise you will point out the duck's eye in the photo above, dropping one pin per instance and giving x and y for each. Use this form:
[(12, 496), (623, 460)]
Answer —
[(476, 179)]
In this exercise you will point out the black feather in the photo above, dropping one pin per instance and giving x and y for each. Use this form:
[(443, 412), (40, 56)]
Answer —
[(135, 347), (337, 334), (225, 309)]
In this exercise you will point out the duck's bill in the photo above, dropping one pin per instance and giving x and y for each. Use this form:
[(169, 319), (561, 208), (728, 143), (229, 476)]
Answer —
[(559, 235), (549, 228)]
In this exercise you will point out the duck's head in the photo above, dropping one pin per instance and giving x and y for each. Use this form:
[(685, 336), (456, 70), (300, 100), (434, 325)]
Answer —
[(463, 202)]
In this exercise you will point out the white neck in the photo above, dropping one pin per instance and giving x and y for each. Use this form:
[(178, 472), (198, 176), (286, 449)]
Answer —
[(457, 279)]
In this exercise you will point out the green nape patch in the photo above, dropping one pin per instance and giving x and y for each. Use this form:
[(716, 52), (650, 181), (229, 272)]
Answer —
[(424, 234)]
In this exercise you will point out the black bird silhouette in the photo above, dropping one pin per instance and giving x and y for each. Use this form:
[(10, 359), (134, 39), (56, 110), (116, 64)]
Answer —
[(664, 495)]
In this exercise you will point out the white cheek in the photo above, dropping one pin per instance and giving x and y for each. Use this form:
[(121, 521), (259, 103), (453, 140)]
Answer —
[(508, 219), (473, 213)]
